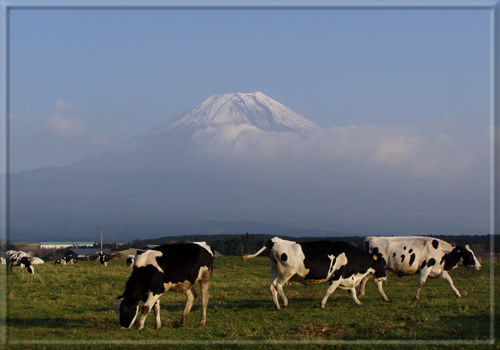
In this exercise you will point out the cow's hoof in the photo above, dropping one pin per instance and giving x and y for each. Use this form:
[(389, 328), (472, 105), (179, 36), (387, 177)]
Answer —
[(202, 324)]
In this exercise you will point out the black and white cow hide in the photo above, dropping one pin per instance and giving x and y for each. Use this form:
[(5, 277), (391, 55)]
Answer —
[(25, 263), (430, 257), (175, 267), (339, 263)]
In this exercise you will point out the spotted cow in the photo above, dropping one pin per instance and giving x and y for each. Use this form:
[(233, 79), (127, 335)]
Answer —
[(430, 257), (338, 263), (19, 258), (175, 267), (104, 259)]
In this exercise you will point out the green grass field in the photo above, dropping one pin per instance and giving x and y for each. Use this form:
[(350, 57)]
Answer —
[(74, 304)]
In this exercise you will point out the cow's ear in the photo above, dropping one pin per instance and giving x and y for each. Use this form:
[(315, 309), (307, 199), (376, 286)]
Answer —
[(375, 257)]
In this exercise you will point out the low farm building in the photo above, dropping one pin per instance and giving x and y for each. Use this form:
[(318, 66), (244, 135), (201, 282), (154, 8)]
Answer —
[(62, 245)]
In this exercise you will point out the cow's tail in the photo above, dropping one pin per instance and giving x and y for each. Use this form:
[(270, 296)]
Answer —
[(250, 256)]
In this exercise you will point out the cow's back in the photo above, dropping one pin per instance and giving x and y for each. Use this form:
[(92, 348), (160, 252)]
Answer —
[(182, 262)]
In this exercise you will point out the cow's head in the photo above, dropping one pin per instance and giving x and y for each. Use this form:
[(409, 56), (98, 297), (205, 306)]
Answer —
[(127, 310), (25, 262), (468, 257), (379, 265)]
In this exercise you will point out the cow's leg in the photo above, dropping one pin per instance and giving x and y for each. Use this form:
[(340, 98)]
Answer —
[(363, 286), (156, 309), (354, 296), (191, 296), (204, 301), (329, 291), (282, 279), (273, 287), (424, 273), (274, 294), (378, 283), (448, 279), (146, 308)]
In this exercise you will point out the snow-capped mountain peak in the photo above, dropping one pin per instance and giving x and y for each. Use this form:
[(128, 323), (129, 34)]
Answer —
[(255, 109)]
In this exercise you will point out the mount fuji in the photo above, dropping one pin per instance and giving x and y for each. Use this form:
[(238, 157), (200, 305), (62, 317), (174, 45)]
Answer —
[(238, 112), (253, 109), (180, 172)]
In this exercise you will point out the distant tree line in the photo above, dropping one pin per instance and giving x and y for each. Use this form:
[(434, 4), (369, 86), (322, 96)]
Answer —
[(237, 245)]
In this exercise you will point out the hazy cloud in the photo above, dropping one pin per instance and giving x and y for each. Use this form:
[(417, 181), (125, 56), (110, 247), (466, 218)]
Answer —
[(414, 151), (63, 123)]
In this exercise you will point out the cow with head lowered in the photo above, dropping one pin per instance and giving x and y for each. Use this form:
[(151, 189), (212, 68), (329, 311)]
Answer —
[(338, 263), (19, 258), (169, 267), (430, 257)]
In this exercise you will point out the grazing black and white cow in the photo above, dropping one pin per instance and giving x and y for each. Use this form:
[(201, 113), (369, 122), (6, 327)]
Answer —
[(103, 259), (175, 267), (130, 261), (428, 256), (339, 263), (15, 258)]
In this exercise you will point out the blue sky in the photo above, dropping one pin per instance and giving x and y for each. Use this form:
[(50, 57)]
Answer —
[(403, 97), (84, 81)]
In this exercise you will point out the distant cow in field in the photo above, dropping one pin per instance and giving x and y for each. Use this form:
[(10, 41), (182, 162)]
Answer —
[(428, 256), (70, 259), (2, 261), (103, 259), (15, 258), (176, 267), (36, 260), (339, 263), (130, 261), (60, 262)]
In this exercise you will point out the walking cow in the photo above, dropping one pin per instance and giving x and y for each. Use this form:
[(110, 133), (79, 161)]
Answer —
[(428, 256), (339, 263), (176, 267)]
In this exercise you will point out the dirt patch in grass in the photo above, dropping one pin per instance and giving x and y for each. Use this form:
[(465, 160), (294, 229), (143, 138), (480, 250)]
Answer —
[(315, 329)]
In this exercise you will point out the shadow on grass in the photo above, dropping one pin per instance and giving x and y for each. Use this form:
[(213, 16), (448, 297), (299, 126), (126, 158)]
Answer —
[(45, 322), (469, 327)]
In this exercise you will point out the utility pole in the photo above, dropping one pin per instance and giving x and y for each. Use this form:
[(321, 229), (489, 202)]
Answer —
[(101, 240)]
